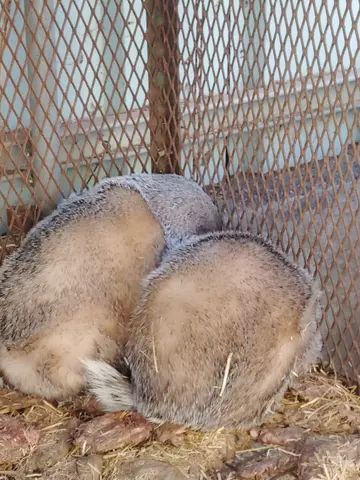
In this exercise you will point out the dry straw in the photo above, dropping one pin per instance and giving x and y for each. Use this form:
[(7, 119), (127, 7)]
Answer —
[(320, 403)]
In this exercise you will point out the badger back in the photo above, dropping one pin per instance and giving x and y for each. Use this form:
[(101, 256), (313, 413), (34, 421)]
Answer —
[(180, 205), (220, 329)]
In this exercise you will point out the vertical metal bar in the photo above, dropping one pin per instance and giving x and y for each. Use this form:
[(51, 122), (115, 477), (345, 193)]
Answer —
[(44, 102), (253, 76), (255, 36), (173, 63), (4, 21), (164, 90)]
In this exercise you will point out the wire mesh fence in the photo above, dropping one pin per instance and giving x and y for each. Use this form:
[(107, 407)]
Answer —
[(257, 100)]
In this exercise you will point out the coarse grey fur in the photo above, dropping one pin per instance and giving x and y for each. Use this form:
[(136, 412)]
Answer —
[(220, 296), (169, 198), (69, 288)]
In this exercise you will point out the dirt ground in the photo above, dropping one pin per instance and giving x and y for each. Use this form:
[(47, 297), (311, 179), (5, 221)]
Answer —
[(313, 436)]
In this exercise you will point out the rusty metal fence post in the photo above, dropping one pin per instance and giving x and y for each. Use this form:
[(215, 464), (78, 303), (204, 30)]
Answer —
[(164, 90)]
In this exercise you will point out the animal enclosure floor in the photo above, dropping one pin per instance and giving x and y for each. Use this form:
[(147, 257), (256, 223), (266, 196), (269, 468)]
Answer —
[(74, 440)]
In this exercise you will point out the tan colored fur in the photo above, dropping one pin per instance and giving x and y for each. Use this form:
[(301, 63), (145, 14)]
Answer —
[(223, 294), (67, 293), (91, 301)]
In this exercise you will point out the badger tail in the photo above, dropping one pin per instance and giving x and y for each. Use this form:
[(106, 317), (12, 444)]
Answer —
[(109, 387)]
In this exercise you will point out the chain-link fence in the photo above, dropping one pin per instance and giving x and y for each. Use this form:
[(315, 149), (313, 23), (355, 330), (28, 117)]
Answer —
[(258, 100)]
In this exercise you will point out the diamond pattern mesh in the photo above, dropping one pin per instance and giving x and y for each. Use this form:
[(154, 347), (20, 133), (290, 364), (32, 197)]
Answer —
[(257, 100)]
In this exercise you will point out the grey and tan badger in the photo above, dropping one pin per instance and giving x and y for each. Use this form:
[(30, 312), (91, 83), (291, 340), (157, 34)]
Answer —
[(67, 293), (222, 326)]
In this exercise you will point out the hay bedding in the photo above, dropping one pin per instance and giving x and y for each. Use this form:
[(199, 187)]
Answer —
[(313, 436)]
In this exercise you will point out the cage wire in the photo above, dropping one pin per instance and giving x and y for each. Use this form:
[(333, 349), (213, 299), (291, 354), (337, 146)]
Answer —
[(257, 100)]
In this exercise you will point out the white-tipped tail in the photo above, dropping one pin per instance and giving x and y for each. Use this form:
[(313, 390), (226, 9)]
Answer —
[(111, 389)]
